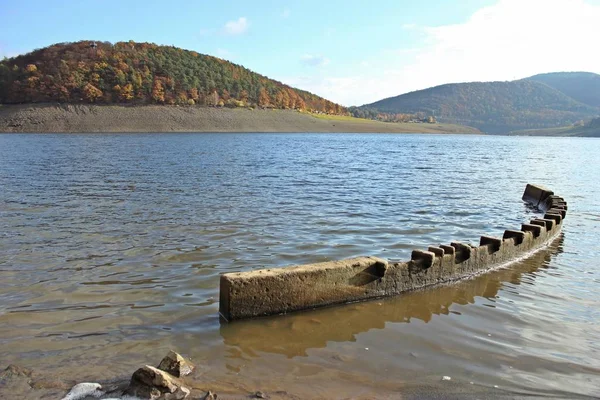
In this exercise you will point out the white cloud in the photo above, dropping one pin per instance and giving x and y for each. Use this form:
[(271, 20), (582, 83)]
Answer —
[(509, 40), (286, 13), (236, 27), (314, 60)]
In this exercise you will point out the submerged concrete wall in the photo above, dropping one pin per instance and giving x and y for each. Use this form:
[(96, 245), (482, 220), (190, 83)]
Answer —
[(283, 290)]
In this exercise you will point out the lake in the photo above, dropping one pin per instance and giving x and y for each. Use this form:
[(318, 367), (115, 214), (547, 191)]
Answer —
[(111, 247)]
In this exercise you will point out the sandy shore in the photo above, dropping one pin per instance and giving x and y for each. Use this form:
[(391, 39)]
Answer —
[(53, 118)]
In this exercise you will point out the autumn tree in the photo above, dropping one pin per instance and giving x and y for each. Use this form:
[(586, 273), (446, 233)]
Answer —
[(126, 93), (225, 95), (244, 96), (194, 94), (158, 92), (212, 99), (263, 98), (182, 97), (91, 93), (279, 100)]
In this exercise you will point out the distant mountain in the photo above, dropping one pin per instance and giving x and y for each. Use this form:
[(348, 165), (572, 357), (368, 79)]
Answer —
[(494, 107), (581, 86), (143, 73)]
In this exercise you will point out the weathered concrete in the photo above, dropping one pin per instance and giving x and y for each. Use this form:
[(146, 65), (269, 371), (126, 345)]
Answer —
[(283, 290)]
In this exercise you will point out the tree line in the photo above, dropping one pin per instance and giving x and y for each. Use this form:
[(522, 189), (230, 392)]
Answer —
[(144, 73)]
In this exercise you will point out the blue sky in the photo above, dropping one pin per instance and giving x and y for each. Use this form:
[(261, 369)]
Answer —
[(352, 51)]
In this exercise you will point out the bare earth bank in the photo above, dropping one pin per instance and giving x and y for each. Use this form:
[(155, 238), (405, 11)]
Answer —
[(53, 118)]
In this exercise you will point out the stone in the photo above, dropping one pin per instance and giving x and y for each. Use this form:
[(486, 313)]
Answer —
[(210, 396), (15, 371), (155, 377), (154, 384), (176, 365), (179, 394), (84, 390)]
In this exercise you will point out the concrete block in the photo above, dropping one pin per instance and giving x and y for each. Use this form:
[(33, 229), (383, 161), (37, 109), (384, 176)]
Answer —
[(557, 217), (517, 236), (424, 258), (546, 223), (549, 203), (438, 251), (463, 252), (560, 211), (493, 244), (282, 290), (450, 250), (535, 229), (534, 194)]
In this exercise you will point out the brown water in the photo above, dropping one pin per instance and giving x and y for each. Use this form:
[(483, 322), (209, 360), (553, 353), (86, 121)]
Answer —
[(111, 247)]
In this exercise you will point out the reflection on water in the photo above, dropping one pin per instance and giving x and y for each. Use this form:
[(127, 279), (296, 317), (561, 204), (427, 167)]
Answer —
[(111, 248), (292, 335)]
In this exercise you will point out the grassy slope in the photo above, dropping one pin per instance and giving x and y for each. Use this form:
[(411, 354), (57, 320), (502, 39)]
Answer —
[(579, 131), (403, 127), (91, 118)]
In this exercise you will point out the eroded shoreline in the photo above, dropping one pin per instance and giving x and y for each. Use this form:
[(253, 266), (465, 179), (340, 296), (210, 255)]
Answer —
[(55, 118)]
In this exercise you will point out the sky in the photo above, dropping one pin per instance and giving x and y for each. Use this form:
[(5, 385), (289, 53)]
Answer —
[(352, 52)]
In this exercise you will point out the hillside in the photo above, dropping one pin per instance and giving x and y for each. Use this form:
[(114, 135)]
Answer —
[(589, 129), (581, 86), (78, 118), (494, 107), (143, 73)]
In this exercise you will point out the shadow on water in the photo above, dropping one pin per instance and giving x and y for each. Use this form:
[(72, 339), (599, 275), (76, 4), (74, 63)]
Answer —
[(293, 335)]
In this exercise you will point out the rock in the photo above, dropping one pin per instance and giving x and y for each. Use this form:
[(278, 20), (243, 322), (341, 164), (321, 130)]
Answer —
[(176, 365), (179, 394), (142, 391), (154, 377), (260, 395), (84, 390), (14, 371), (154, 384), (210, 396)]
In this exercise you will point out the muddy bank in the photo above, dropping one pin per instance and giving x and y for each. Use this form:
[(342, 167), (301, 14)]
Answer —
[(176, 378), (53, 118)]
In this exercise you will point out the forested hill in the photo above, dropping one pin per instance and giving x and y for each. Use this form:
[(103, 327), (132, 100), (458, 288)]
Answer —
[(581, 86), (143, 73), (494, 107)]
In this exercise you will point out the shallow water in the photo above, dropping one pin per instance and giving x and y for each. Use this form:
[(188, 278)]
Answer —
[(111, 247)]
